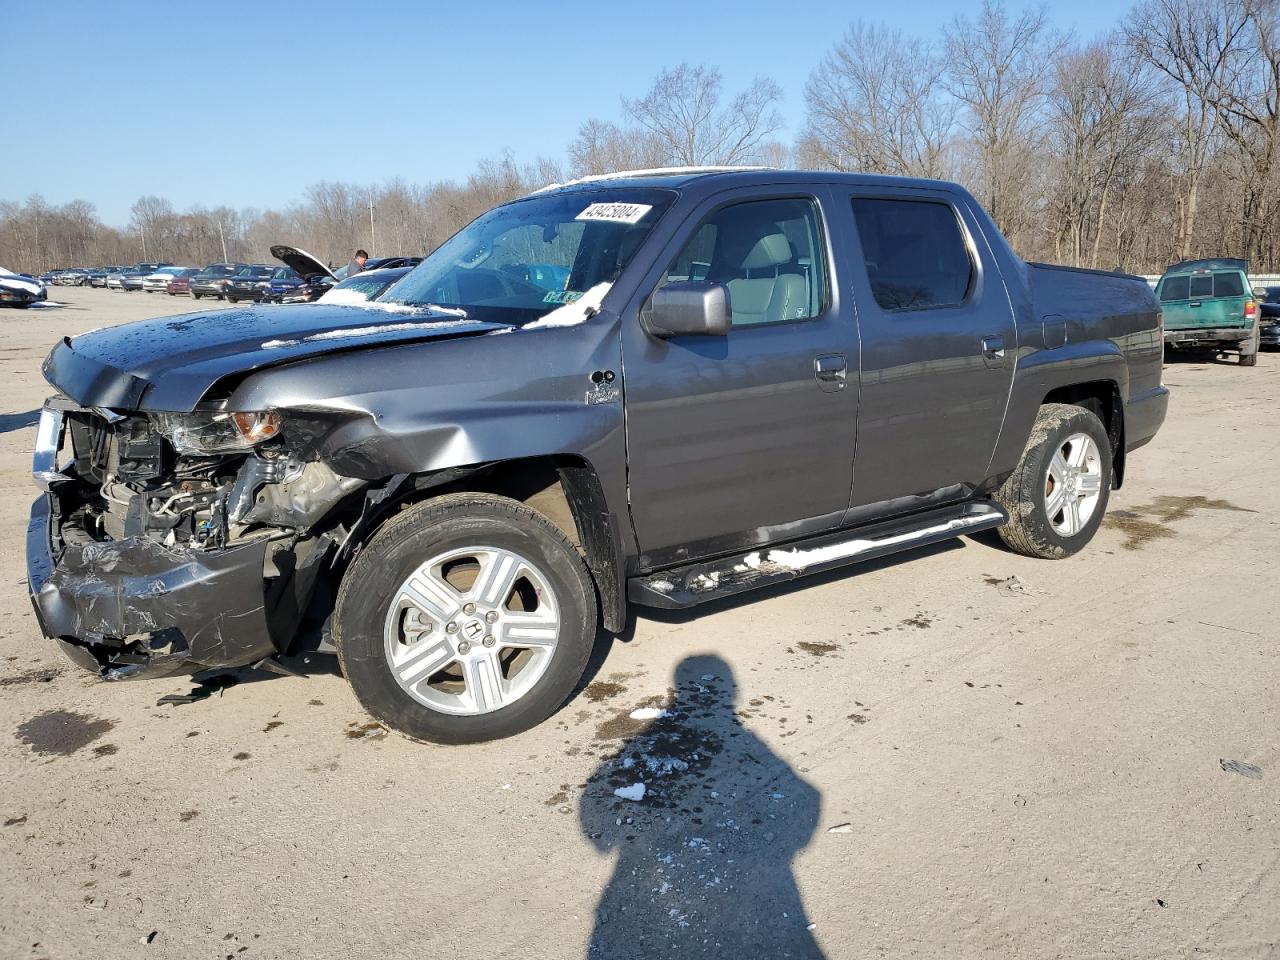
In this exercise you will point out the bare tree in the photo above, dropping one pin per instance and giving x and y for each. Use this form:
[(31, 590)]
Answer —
[(996, 70), (875, 104), (683, 111), (602, 146)]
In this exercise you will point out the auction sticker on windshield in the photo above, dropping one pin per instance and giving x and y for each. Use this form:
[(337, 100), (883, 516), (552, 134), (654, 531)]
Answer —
[(615, 212)]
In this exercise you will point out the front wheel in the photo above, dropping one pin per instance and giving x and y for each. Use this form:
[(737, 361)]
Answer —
[(1057, 495), (466, 618)]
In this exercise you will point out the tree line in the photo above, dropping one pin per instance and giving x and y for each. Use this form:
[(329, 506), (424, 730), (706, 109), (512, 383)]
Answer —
[(1157, 142)]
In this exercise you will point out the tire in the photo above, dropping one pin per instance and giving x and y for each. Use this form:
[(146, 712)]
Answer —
[(374, 621), (1059, 441), (1250, 359), (195, 296)]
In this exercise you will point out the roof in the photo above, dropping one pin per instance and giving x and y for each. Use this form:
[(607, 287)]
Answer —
[(710, 178)]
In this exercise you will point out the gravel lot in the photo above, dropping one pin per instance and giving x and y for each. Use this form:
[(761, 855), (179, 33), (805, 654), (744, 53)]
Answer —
[(959, 753)]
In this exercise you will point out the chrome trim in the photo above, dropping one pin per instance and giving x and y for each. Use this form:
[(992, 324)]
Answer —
[(44, 459)]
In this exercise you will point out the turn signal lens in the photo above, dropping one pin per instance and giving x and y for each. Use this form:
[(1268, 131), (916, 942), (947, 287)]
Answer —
[(257, 426)]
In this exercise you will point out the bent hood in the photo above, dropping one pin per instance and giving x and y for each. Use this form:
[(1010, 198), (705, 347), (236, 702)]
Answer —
[(170, 363)]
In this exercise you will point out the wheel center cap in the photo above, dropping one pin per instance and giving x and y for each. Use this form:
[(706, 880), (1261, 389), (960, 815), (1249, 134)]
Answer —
[(473, 630)]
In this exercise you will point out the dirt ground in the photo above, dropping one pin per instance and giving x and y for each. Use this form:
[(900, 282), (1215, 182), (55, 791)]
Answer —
[(958, 753)]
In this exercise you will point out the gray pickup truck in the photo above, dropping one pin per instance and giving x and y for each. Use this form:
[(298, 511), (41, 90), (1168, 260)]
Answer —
[(655, 389)]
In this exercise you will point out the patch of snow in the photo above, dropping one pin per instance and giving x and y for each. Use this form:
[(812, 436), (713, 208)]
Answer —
[(345, 333), (47, 304), (635, 792), (349, 298), (649, 713), (664, 766), (752, 560), (573, 314), (799, 559)]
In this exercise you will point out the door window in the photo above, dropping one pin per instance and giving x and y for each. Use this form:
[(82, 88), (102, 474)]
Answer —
[(916, 256), (767, 252)]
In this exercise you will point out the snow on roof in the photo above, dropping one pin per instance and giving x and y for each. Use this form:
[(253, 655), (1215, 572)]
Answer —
[(651, 172)]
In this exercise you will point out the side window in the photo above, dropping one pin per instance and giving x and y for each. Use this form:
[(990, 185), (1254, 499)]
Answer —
[(916, 256), (767, 252)]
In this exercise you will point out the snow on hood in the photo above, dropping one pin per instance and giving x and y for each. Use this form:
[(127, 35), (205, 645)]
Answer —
[(572, 314), (15, 282), (346, 333), (345, 298)]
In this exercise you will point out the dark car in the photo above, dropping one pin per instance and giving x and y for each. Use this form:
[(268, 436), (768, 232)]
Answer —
[(316, 278), (180, 285), (379, 263), (455, 486), (21, 289), (283, 280), (1269, 324), (211, 281), (248, 283)]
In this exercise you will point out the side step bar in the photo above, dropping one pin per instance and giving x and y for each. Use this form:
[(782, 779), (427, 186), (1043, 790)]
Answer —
[(696, 583)]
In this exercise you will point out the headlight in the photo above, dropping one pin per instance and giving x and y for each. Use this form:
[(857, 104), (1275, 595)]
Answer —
[(200, 434)]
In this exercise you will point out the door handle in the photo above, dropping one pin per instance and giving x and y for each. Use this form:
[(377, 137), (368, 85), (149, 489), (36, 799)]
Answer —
[(831, 368), (993, 347)]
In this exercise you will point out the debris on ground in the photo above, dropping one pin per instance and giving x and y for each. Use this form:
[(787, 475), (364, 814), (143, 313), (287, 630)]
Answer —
[(634, 792), (1012, 586), (201, 691), (841, 828), (649, 713), (1252, 771)]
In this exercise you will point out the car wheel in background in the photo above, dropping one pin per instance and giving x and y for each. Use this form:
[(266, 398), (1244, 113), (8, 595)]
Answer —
[(1057, 495), (468, 617), (1249, 353)]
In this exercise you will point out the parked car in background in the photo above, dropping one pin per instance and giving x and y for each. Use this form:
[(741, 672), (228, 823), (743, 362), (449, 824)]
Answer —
[(98, 276), (20, 289), (1208, 305), (316, 277), (283, 280), (211, 281), (377, 263), (1269, 319), (48, 276), (115, 278), (180, 284), (466, 486), (249, 283), (133, 276), (75, 277), (363, 287), (158, 282)]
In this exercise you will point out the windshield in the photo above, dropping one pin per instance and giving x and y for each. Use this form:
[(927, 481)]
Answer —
[(255, 272), (284, 273), (520, 261)]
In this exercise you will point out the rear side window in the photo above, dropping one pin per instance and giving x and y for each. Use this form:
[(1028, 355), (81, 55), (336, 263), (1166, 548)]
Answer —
[(1175, 288), (1227, 285), (1201, 287), (916, 256)]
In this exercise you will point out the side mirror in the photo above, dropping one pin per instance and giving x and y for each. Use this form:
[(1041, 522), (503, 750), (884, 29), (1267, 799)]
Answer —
[(688, 307)]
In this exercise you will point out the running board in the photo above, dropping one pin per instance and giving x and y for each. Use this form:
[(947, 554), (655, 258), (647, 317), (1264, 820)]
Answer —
[(696, 583)]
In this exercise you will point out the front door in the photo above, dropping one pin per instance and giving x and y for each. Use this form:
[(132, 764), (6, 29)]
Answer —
[(938, 350), (740, 440)]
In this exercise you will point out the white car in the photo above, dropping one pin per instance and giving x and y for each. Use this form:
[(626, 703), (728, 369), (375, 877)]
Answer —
[(158, 282), (20, 289)]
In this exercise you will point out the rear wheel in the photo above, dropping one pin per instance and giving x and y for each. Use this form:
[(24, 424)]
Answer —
[(194, 295), (1057, 495), (466, 618), (1249, 351)]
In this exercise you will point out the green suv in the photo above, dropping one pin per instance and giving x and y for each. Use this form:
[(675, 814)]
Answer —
[(1208, 305)]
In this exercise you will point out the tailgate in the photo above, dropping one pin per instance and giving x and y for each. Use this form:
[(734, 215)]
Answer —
[(1195, 314)]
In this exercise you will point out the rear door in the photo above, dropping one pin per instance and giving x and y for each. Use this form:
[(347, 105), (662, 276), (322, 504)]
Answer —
[(938, 349), (745, 439)]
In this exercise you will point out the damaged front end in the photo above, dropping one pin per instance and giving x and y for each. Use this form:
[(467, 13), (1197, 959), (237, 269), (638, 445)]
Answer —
[(171, 543)]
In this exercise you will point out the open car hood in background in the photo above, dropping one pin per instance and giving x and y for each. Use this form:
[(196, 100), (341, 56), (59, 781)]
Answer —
[(301, 262)]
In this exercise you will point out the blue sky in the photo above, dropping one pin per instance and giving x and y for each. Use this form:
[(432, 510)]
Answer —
[(245, 104)]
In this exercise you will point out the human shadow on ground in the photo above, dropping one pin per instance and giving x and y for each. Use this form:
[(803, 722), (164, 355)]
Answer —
[(704, 858)]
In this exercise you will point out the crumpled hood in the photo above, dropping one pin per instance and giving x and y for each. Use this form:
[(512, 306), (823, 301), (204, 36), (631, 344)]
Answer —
[(169, 363)]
